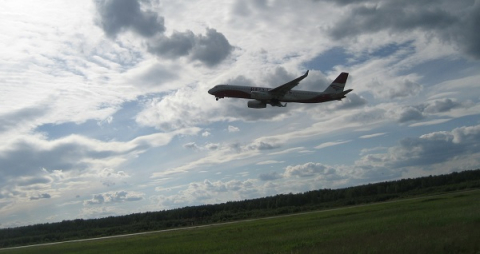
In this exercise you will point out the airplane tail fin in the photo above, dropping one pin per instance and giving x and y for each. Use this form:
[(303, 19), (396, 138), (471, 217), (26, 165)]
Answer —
[(338, 84)]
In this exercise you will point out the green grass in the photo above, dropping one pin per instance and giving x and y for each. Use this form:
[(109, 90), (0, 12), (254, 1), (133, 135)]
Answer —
[(439, 224)]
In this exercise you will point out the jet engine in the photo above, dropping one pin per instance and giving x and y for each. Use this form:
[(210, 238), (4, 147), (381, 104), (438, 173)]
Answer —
[(258, 95), (256, 104)]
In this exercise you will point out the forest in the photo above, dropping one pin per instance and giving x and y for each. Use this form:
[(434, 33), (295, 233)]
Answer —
[(238, 210)]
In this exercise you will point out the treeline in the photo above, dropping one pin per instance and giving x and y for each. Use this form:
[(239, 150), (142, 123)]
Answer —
[(230, 211)]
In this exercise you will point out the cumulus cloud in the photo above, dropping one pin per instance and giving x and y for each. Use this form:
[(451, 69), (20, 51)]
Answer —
[(208, 192), (452, 23), (395, 88), (212, 146), (263, 145), (114, 197), (72, 158), (309, 169), (116, 16), (73, 152), (403, 114), (232, 128), (407, 114), (429, 149), (209, 49), (351, 101), (438, 106), (191, 145)]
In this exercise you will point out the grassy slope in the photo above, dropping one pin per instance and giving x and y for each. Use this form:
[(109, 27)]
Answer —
[(441, 224)]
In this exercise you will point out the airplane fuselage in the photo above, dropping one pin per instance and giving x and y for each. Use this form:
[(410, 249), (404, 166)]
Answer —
[(274, 96), (261, 93)]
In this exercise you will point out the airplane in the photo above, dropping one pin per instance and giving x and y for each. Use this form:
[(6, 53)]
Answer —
[(275, 96)]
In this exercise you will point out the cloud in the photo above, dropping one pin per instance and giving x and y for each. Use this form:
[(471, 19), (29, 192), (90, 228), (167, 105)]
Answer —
[(267, 162), (218, 154), (40, 196), (212, 146), (451, 23), (372, 135), (209, 192), (407, 114), (270, 176), (116, 16), (395, 88), (209, 49), (309, 169), (191, 145), (428, 150), (396, 15), (18, 118), (403, 114), (438, 106), (152, 76), (233, 128), (114, 197), (352, 100), (263, 145), (192, 105), (70, 159), (328, 144)]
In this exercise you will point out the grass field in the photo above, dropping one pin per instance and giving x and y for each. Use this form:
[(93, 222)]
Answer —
[(438, 224)]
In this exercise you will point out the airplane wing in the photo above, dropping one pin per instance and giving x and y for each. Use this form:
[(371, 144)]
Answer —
[(280, 91)]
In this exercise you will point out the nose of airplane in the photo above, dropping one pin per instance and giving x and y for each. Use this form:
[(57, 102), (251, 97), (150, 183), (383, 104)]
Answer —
[(212, 90)]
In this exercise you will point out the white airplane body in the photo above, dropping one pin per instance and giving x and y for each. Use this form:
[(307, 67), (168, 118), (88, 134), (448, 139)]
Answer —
[(275, 96)]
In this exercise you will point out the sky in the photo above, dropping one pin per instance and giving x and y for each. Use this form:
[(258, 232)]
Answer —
[(104, 109)]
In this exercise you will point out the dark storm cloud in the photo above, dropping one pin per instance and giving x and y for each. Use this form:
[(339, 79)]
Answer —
[(210, 49), (116, 16), (452, 22)]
